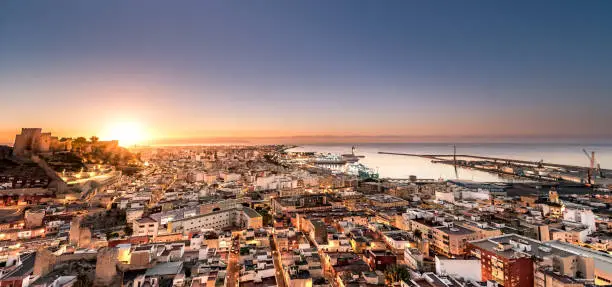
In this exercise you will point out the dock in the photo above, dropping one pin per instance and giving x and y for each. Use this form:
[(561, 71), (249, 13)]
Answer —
[(442, 157), (533, 170)]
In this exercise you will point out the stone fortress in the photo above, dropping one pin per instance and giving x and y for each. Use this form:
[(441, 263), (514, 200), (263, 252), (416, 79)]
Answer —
[(32, 172), (34, 141)]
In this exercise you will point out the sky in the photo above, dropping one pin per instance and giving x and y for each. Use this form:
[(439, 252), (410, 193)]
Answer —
[(201, 71)]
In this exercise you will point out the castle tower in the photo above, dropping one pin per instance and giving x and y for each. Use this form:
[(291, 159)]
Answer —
[(27, 141), (75, 231), (44, 262), (106, 267), (43, 143), (33, 141), (84, 238)]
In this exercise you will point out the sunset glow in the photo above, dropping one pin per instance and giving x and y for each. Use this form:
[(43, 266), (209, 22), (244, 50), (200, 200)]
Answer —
[(127, 133), (170, 67), (315, 143)]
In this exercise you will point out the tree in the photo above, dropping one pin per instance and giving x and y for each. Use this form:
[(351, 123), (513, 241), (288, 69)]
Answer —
[(418, 234), (116, 159), (94, 139), (80, 140), (128, 230), (82, 281), (111, 235), (396, 273)]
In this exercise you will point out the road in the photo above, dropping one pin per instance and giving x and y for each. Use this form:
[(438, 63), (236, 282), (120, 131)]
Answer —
[(233, 266), (280, 279)]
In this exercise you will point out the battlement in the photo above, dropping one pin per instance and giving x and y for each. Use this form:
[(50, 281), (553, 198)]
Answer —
[(31, 130), (34, 141)]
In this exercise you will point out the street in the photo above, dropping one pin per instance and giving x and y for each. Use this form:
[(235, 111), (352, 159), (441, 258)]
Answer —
[(280, 278), (233, 266)]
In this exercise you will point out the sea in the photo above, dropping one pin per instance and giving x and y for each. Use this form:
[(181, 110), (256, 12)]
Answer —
[(398, 166)]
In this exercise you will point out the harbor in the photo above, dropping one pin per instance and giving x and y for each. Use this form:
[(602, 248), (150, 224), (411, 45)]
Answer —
[(342, 163), (531, 170)]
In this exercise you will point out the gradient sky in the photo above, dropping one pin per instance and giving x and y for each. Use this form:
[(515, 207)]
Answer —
[(414, 69)]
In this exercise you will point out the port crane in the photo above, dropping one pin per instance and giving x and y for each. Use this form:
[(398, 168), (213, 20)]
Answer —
[(455, 161), (592, 161)]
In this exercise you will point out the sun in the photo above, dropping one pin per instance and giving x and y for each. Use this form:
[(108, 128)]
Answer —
[(127, 133)]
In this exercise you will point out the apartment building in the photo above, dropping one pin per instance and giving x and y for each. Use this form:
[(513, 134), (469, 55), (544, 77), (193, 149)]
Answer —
[(510, 261), (145, 227), (452, 240), (243, 217)]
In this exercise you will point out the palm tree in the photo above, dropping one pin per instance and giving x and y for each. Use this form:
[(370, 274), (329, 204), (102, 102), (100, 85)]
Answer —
[(396, 273)]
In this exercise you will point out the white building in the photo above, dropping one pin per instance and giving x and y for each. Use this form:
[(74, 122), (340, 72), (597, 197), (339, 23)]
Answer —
[(217, 220), (145, 227), (230, 176), (479, 194), (580, 215), (466, 269), (275, 182), (445, 196), (133, 213)]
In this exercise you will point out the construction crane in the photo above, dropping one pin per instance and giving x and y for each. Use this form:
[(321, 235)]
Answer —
[(455, 161), (592, 162)]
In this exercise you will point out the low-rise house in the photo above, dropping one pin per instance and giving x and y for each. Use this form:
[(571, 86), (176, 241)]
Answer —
[(379, 260)]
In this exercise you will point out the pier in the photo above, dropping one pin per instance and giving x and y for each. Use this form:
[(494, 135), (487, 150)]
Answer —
[(442, 157), (533, 170)]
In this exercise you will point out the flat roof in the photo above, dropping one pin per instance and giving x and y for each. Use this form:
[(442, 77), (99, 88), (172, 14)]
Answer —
[(166, 268), (250, 212), (457, 230), (146, 220), (491, 245), (602, 260), (205, 214)]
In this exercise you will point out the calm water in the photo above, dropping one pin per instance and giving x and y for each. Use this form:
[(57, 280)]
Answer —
[(396, 166)]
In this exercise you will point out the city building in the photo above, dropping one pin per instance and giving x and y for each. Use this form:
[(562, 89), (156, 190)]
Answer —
[(510, 260), (145, 227), (243, 217)]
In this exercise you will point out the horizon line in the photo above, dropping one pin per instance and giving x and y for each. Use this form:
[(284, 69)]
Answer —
[(379, 139)]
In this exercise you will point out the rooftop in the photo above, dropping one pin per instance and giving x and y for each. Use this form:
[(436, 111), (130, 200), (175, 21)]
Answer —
[(26, 267), (250, 212), (146, 220), (455, 230), (602, 261), (524, 245), (384, 198), (166, 268)]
